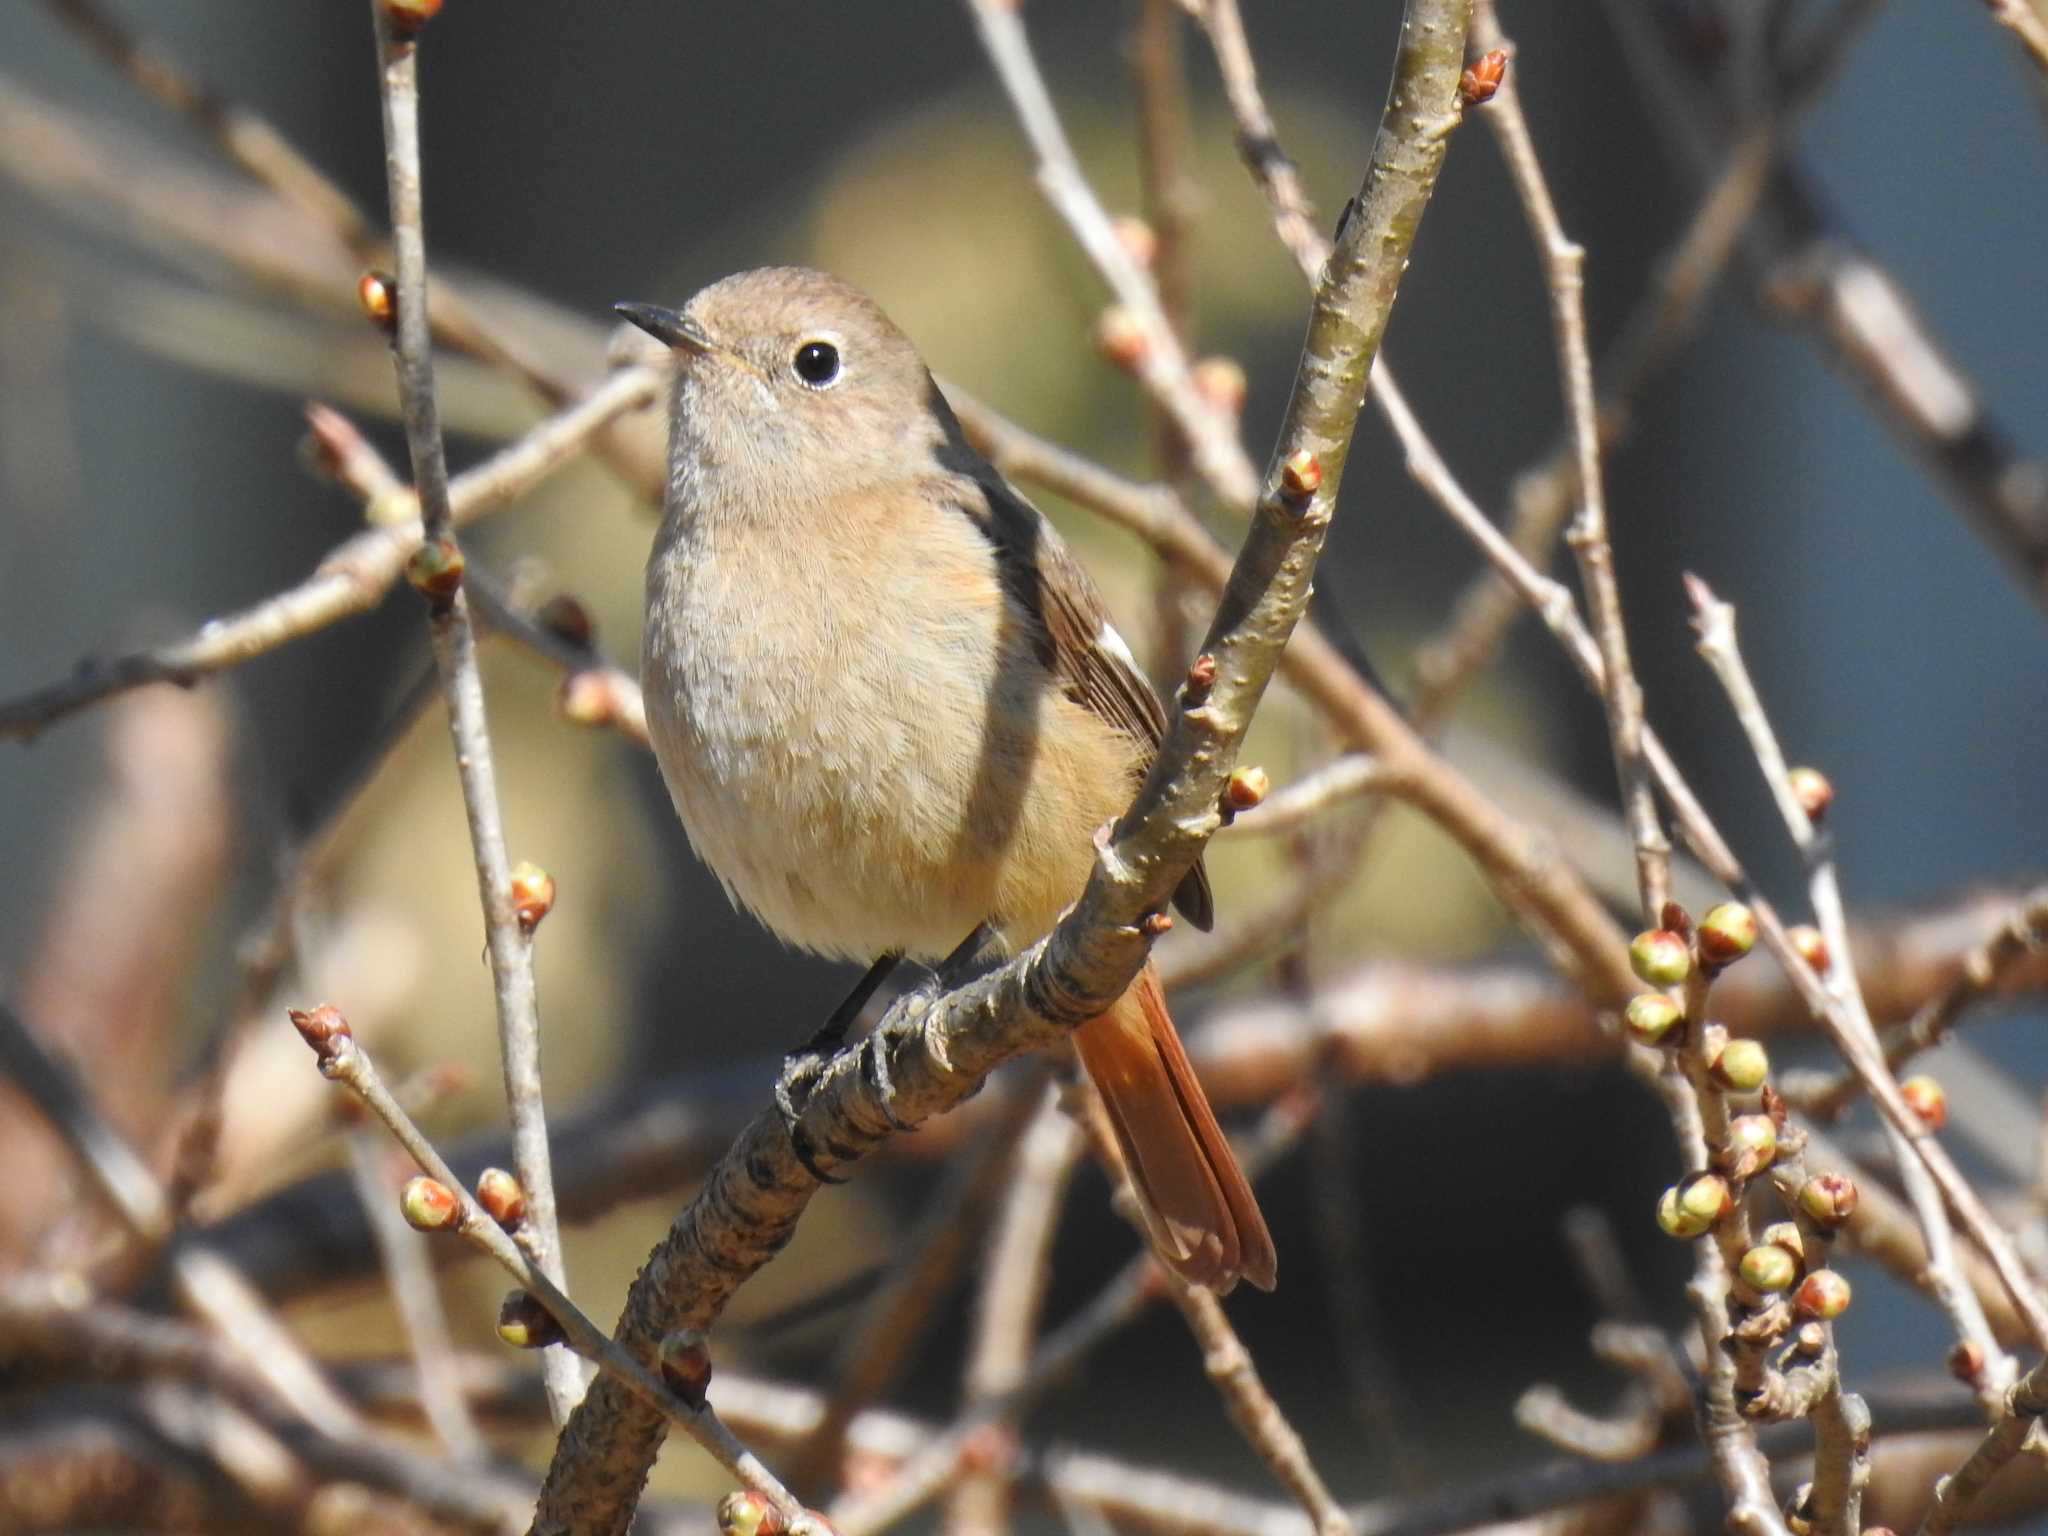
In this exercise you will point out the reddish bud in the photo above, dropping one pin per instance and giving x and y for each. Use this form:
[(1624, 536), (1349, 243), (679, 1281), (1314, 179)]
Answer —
[(321, 1027), (684, 1357), (1221, 382), (429, 1205), (1924, 1096), (408, 16), (502, 1197), (1726, 934), (377, 293), (435, 570), (1828, 1199), (1768, 1267), (1157, 925), (1810, 787), (1651, 1016), (1677, 919), (1660, 957), (1810, 946), (1201, 677), (525, 1324), (1301, 475), (1822, 1294), (1966, 1362), (1247, 788), (533, 895), (1137, 238), (1482, 77), (1120, 338)]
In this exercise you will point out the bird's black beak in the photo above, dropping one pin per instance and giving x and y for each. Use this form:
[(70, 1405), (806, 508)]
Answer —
[(669, 326)]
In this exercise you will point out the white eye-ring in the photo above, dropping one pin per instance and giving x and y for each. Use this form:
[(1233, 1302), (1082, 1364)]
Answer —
[(816, 364)]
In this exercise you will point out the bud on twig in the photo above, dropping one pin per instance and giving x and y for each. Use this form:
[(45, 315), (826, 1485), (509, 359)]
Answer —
[(1120, 338), (435, 570), (1221, 382), (1828, 1199), (1690, 1208), (407, 17), (1301, 475), (1811, 1340), (377, 293), (1660, 957), (1726, 934), (1810, 787), (684, 1357), (1925, 1097), (1810, 945), (586, 698), (533, 895), (1741, 1065), (1651, 1016), (1785, 1234), (525, 1324), (1482, 77), (323, 1028), (749, 1514), (1246, 789), (429, 1205), (1966, 1362), (565, 617), (1137, 238), (1822, 1294), (1768, 1267), (502, 1197), (1201, 677), (1752, 1145)]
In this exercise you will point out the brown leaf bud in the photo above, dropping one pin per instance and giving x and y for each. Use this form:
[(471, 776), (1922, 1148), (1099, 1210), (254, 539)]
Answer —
[(1810, 946), (1247, 788), (1926, 1098), (429, 1205), (533, 894), (684, 1357), (435, 570), (377, 293), (1138, 239), (1651, 1016), (1482, 77), (525, 1324), (1120, 338), (1726, 934), (1810, 787), (1811, 1340), (1677, 919), (1301, 475), (502, 1197), (1221, 382), (320, 1027), (1822, 1294), (1742, 1065), (1966, 1362), (565, 617), (1829, 1199), (1660, 957), (408, 16)]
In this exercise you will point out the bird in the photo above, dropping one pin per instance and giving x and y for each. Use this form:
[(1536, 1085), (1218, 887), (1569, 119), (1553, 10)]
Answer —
[(889, 704)]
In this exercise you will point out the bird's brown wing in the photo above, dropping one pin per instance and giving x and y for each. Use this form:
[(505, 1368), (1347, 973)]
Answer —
[(1094, 666)]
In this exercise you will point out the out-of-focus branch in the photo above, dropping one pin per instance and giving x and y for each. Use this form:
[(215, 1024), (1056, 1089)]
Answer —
[(353, 577), (2026, 24)]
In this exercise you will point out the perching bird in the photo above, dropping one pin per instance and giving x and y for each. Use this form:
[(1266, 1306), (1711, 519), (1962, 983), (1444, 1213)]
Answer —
[(888, 702)]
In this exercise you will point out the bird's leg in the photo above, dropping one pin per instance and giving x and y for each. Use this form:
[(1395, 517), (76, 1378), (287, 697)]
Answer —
[(802, 1067)]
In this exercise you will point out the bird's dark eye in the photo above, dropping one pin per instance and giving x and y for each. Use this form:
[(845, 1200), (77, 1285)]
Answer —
[(816, 363)]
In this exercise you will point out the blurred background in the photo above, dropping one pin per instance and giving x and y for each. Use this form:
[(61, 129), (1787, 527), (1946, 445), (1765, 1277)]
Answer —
[(150, 400)]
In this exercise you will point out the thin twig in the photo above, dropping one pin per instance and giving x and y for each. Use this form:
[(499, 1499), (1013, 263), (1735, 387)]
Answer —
[(508, 940), (1564, 269), (1715, 621), (2025, 1403), (2026, 24), (343, 1061), (352, 578)]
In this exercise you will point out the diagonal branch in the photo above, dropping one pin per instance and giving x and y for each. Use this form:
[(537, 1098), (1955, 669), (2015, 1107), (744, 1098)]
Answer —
[(937, 1051)]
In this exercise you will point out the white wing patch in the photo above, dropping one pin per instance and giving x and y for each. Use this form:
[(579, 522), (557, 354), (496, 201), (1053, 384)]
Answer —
[(1112, 642)]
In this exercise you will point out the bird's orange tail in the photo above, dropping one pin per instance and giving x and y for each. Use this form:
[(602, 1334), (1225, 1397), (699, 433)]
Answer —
[(1199, 1211)]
